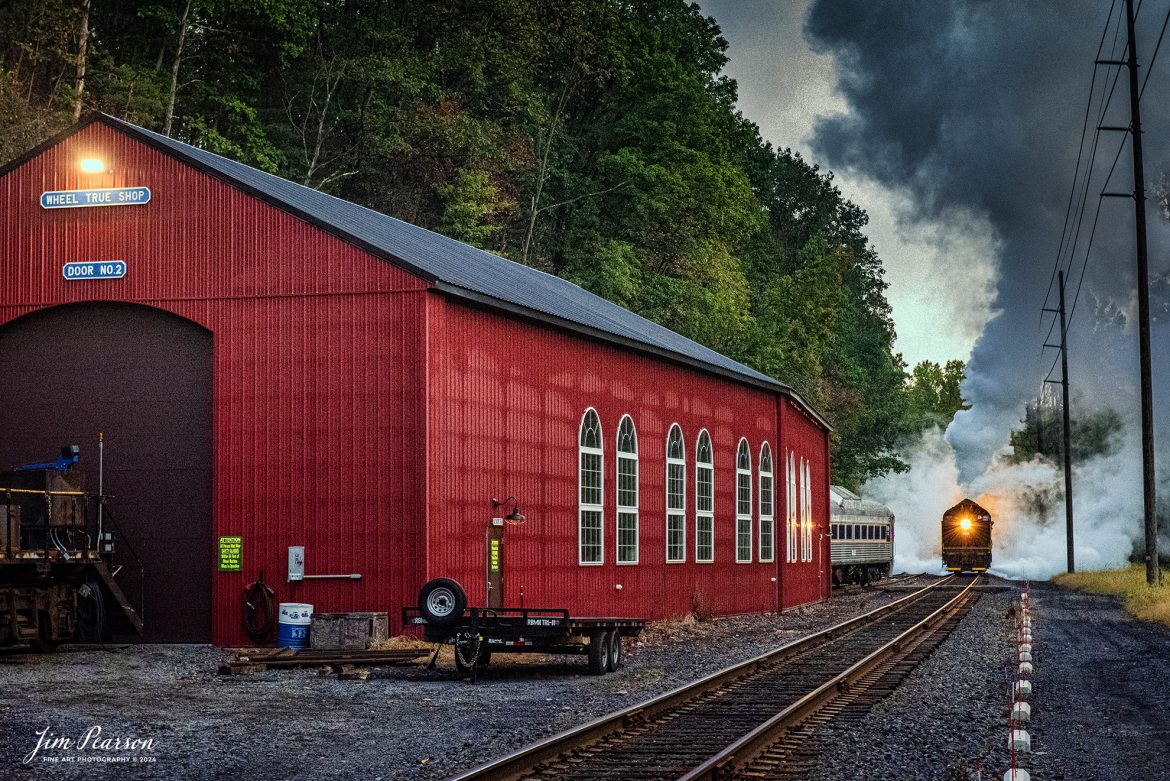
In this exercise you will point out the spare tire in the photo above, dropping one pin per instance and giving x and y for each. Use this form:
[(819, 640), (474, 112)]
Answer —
[(442, 601)]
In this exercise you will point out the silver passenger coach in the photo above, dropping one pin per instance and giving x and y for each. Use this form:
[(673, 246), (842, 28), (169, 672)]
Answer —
[(862, 537)]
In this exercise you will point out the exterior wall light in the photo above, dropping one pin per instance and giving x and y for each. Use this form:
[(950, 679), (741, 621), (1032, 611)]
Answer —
[(515, 517), (93, 165)]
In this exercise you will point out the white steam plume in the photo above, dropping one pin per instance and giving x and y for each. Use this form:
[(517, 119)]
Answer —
[(1026, 502)]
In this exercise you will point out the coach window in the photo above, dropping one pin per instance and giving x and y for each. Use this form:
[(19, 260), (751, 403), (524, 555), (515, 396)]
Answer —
[(627, 492), (676, 496), (590, 534), (767, 521), (743, 503), (704, 499)]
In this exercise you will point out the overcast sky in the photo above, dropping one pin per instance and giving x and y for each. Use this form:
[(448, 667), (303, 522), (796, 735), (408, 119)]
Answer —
[(956, 125), (785, 87)]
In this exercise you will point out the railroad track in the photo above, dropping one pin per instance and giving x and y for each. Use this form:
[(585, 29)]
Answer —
[(751, 720), (851, 588)]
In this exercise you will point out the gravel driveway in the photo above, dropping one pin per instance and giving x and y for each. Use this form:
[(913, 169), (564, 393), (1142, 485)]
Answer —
[(401, 723), (1102, 704)]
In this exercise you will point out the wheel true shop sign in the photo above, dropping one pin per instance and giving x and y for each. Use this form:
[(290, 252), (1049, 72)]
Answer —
[(108, 196)]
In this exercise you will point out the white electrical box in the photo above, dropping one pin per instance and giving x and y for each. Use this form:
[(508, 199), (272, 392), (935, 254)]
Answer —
[(296, 562)]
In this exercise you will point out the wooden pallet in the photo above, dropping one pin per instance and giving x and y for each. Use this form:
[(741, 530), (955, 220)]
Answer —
[(244, 662)]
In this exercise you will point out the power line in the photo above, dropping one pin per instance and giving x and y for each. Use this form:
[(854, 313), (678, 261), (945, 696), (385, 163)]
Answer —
[(1105, 184), (1106, 102), (1081, 147), (1154, 56), (1093, 230)]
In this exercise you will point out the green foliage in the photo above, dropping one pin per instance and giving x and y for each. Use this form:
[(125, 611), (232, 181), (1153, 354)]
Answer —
[(1092, 432), (594, 139), (932, 393), (470, 205)]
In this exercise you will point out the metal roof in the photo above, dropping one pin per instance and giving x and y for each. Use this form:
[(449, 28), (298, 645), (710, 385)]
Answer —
[(459, 268), (846, 503)]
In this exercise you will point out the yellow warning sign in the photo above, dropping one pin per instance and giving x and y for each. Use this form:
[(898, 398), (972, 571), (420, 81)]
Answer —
[(231, 554)]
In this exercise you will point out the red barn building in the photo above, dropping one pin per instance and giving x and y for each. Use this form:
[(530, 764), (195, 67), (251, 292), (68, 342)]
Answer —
[(271, 363)]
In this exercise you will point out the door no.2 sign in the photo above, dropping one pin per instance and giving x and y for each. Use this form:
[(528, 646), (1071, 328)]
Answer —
[(102, 269)]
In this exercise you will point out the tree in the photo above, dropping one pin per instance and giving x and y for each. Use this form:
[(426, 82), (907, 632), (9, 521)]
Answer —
[(1092, 432), (932, 393), (594, 139)]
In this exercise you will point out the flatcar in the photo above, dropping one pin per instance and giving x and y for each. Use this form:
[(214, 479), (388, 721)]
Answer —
[(966, 538), (862, 538)]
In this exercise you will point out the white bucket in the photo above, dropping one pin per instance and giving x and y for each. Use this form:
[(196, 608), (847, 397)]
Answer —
[(293, 625)]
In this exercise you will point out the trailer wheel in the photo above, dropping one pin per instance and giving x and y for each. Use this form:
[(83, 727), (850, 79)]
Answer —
[(599, 653), (442, 601), (615, 650)]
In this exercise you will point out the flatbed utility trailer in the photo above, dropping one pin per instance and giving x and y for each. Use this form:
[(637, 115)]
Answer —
[(476, 632)]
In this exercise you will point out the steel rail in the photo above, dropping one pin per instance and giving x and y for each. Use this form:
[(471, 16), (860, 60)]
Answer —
[(522, 761), (743, 751)]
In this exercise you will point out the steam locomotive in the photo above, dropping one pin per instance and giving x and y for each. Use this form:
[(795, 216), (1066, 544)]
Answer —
[(966, 538)]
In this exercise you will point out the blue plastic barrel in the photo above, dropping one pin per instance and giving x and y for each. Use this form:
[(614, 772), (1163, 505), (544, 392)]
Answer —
[(292, 630)]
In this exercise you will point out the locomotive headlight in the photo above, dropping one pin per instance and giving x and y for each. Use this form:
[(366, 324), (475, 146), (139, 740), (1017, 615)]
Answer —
[(965, 524)]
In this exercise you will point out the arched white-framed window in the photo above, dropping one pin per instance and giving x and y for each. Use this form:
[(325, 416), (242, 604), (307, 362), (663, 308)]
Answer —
[(627, 492), (676, 496), (704, 499), (767, 513), (590, 491), (791, 509), (743, 503), (806, 541)]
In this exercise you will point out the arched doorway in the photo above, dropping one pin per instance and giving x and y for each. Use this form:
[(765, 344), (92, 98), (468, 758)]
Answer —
[(143, 377)]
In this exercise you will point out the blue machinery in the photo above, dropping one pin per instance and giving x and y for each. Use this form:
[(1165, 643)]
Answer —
[(69, 456)]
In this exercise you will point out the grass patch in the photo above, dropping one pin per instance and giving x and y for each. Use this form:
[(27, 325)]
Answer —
[(1145, 602)]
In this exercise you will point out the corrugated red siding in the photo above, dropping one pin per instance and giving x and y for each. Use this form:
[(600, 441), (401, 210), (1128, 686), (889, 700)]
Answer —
[(506, 401), (318, 361), (810, 581), (370, 420)]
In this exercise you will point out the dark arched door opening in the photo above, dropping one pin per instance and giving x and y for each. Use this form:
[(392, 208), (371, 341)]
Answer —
[(143, 377)]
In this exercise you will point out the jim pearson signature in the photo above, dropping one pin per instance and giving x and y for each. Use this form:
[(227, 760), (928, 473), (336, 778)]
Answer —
[(93, 745)]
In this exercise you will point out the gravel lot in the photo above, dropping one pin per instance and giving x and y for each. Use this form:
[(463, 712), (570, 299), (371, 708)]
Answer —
[(1102, 704), (400, 723), (949, 712)]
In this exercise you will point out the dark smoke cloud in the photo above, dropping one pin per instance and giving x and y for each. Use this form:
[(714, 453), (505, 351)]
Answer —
[(978, 105)]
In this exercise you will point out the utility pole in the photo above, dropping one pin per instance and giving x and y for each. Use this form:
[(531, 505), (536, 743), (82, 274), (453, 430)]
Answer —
[(1149, 494), (1143, 286), (1068, 506)]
